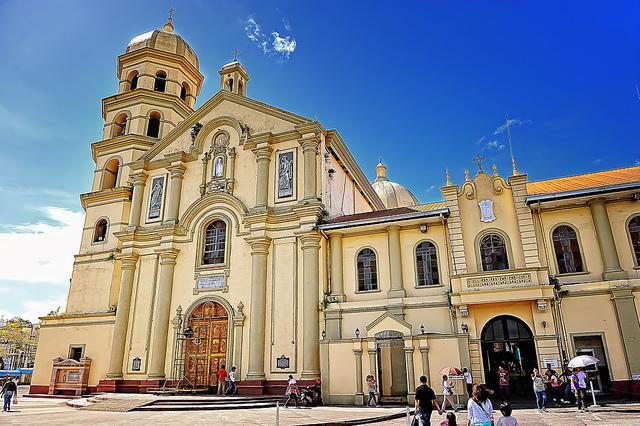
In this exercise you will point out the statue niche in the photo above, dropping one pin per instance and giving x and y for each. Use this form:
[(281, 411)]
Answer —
[(222, 160)]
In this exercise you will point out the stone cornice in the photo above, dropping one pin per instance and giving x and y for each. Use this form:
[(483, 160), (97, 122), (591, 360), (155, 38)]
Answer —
[(148, 52), (106, 196), (140, 95), (336, 144), (119, 143)]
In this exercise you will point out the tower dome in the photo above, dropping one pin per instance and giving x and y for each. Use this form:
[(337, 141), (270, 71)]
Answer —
[(165, 40), (392, 194)]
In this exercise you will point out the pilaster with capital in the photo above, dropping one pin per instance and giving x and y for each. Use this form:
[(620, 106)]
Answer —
[(161, 315), (177, 175), (395, 262), (411, 377), (309, 152), (139, 180), (263, 159), (337, 278), (257, 315), (310, 304), (424, 352), (122, 316), (357, 352), (238, 326), (610, 261)]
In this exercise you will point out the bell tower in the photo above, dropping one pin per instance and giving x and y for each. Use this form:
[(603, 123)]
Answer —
[(234, 77)]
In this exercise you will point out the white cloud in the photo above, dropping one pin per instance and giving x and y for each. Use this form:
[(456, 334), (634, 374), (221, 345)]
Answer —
[(501, 147), (598, 160), (637, 162), (41, 252), (431, 188), (490, 145), (278, 45), (513, 122), (286, 24)]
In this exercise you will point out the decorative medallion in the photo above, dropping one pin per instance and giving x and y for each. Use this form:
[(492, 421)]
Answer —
[(486, 211)]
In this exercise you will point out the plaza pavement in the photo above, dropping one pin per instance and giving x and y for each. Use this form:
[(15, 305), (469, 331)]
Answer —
[(53, 412)]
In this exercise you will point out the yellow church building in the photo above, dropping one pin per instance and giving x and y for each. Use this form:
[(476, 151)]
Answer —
[(245, 235)]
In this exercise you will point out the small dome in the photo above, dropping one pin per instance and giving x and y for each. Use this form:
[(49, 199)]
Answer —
[(392, 194), (167, 41)]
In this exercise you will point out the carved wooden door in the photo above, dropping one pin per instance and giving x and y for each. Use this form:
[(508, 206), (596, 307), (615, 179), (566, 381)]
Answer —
[(206, 350)]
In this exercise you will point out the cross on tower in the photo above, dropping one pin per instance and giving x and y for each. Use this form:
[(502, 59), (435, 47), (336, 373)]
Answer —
[(478, 159), (235, 54), (171, 13)]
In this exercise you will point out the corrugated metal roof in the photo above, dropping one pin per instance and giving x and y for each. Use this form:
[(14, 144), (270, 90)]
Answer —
[(584, 181)]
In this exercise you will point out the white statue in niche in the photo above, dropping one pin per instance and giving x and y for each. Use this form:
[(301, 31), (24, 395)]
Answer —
[(217, 167)]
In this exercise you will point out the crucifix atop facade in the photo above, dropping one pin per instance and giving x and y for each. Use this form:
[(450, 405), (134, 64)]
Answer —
[(235, 54), (478, 159), (171, 13)]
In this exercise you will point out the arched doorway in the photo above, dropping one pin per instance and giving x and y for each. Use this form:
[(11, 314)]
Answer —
[(508, 342), (392, 367), (206, 349)]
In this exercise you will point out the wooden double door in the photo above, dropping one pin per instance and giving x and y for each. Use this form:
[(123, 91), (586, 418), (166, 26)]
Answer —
[(206, 349)]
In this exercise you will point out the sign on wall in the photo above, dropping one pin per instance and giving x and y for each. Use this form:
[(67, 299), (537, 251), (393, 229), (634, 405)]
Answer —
[(210, 282), (135, 365), (282, 362)]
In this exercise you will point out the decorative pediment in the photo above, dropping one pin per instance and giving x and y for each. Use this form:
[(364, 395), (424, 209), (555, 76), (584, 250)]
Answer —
[(388, 322)]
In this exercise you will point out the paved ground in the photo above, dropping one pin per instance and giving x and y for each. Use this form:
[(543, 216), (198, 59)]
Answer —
[(33, 411)]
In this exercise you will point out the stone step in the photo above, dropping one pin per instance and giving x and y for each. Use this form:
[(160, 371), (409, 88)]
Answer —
[(196, 407), (204, 401)]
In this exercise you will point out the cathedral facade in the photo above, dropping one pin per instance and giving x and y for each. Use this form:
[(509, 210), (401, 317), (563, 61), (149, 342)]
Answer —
[(240, 234)]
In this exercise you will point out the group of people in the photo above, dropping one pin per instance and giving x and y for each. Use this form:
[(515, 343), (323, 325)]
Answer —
[(572, 384), (308, 396), (226, 381)]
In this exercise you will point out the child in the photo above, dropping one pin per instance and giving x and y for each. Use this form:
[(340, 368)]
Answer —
[(450, 420), (506, 419)]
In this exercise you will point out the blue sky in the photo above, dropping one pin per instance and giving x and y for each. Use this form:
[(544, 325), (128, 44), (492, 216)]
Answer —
[(423, 84)]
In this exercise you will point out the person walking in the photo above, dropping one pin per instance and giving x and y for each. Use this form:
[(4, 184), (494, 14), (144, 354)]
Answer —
[(9, 391), (447, 394), (425, 401), (231, 389), (468, 380), (371, 388), (503, 382), (222, 377), (479, 407), (579, 386), (292, 392), (506, 419), (539, 389)]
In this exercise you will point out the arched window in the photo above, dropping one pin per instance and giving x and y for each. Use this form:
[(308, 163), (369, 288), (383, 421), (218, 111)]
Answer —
[(567, 249), (133, 80), (161, 81), (110, 174), (184, 91), (427, 264), (367, 272), (493, 253), (119, 125), (153, 129), (634, 234), (215, 240), (100, 231)]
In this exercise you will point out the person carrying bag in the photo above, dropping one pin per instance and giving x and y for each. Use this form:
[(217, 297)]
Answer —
[(479, 408)]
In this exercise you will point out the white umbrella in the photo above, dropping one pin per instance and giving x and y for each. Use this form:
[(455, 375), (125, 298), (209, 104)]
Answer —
[(583, 361)]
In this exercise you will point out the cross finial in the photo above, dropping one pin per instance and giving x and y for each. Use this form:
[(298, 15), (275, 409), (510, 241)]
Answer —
[(235, 54), (448, 176), (478, 159), (171, 13)]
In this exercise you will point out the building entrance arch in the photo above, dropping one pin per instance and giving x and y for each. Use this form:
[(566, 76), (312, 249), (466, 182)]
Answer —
[(206, 348), (392, 367), (508, 342)]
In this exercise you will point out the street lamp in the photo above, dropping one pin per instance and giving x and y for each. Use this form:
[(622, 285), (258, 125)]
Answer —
[(357, 333)]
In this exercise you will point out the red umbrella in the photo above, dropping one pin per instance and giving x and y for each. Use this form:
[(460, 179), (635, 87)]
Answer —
[(450, 371)]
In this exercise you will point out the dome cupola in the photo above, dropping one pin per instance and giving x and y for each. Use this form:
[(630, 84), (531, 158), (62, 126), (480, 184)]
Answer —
[(392, 194)]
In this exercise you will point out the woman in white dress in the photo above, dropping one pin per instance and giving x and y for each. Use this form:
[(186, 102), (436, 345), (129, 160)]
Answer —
[(479, 407)]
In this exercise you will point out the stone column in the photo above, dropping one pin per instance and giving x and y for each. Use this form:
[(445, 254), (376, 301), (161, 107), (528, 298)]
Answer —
[(257, 318), (122, 316), (411, 376), (395, 262), (337, 280), (627, 316), (424, 352), (309, 150), (263, 158), (612, 270), (161, 314), (310, 303), (359, 396), (177, 174), (139, 179), (372, 362)]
